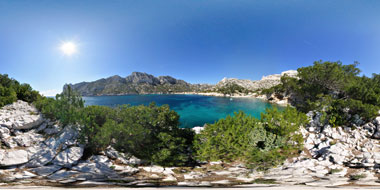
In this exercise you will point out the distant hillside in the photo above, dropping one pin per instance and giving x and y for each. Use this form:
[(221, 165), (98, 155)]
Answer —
[(136, 83), (265, 82)]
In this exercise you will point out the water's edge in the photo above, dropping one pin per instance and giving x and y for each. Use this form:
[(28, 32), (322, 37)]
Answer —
[(194, 109)]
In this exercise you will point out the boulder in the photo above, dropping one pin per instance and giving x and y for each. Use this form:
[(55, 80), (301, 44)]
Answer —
[(54, 146), (4, 132), (198, 129), (68, 157), (46, 170), (20, 115), (377, 120), (28, 122), (13, 157), (42, 157), (63, 174), (96, 167), (111, 153), (154, 169)]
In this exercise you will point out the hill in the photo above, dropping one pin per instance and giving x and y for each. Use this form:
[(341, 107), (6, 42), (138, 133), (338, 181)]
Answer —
[(136, 83)]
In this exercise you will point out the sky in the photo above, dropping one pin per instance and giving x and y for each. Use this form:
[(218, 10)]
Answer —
[(197, 41)]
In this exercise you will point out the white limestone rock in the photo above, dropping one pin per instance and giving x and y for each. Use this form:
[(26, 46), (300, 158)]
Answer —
[(52, 146), (169, 178), (96, 167), (20, 115), (62, 174), (68, 157), (265, 82), (46, 170), (4, 132), (154, 169), (13, 157), (377, 120), (197, 129)]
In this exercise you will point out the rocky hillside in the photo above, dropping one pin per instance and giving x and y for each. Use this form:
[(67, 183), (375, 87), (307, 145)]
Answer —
[(265, 82), (334, 156), (136, 83), (37, 151)]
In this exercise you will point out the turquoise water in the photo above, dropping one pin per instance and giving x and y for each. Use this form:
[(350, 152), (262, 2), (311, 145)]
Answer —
[(194, 110)]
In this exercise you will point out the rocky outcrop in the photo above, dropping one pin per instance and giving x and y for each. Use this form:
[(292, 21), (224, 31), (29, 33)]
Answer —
[(44, 152), (18, 145), (334, 156), (265, 82), (25, 143), (136, 83), (19, 115)]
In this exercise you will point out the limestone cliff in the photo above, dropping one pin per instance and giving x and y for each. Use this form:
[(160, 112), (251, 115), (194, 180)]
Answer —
[(265, 82)]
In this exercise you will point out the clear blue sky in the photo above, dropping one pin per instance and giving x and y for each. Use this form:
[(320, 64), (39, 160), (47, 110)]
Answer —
[(198, 41)]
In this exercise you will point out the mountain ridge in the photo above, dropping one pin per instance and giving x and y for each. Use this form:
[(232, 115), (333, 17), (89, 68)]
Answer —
[(144, 83), (136, 83)]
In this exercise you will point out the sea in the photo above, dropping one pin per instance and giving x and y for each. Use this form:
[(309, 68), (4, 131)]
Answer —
[(194, 110)]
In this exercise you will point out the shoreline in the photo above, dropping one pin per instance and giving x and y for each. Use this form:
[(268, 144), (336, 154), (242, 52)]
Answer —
[(278, 102), (284, 102)]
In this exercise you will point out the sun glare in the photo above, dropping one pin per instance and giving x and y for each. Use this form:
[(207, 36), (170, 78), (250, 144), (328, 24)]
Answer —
[(68, 48)]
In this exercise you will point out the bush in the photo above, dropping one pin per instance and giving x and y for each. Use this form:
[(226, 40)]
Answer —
[(96, 128), (332, 88), (11, 91), (26, 93), (231, 89), (7, 96), (261, 143), (152, 133), (66, 107), (147, 132)]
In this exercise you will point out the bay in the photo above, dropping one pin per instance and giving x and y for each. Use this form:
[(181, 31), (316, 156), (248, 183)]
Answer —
[(194, 110)]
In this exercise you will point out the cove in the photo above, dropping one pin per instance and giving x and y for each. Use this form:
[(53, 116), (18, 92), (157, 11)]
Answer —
[(194, 110)]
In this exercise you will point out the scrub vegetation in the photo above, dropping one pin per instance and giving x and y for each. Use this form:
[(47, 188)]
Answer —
[(261, 143), (334, 89), (149, 132), (11, 90)]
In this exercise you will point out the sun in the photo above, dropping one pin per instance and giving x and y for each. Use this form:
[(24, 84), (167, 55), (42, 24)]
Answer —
[(68, 48)]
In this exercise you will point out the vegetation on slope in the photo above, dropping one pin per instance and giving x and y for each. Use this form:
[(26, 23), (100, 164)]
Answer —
[(136, 83), (231, 89), (149, 132), (11, 91), (261, 143), (335, 89)]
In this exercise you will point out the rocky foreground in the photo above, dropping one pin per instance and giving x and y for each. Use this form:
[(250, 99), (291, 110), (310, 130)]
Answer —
[(36, 151)]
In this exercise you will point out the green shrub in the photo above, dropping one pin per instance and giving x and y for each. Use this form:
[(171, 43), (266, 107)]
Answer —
[(334, 89), (152, 133), (147, 132), (97, 123), (11, 91), (7, 96), (357, 176), (66, 107), (260, 143), (336, 170), (264, 181), (26, 93), (232, 89)]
